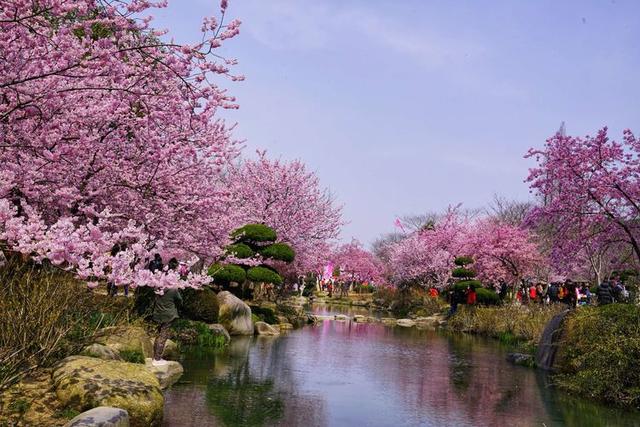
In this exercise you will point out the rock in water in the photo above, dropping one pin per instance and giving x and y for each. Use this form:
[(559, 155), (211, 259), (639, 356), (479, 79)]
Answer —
[(520, 359), (234, 314), (83, 383), (263, 328), (101, 352), (102, 416), (406, 323), (548, 345), (167, 374)]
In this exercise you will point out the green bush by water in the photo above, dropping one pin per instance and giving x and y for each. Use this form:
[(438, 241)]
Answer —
[(599, 353), (200, 304), (261, 274)]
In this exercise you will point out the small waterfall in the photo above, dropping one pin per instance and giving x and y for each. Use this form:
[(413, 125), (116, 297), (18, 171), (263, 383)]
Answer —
[(548, 346)]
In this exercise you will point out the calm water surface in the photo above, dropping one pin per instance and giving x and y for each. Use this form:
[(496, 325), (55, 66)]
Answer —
[(349, 374)]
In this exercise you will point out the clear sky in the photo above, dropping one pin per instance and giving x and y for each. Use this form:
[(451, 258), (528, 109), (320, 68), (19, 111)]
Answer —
[(408, 106)]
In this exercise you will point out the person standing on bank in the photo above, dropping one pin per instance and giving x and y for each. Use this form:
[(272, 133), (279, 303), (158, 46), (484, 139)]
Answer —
[(165, 311)]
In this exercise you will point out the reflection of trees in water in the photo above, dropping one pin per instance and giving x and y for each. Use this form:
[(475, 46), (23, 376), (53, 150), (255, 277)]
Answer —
[(239, 400), (252, 384)]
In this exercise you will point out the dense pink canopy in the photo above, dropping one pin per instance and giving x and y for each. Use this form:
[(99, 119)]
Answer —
[(109, 134), (357, 264)]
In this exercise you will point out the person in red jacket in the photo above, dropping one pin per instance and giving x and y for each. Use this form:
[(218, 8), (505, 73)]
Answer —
[(471, 296), (433, 292), (532, 293)]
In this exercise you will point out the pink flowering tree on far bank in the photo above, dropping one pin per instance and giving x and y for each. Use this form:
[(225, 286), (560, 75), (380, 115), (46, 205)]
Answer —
[(426, 257), (356, 264), (290, 199), (588, 190), (109, 134)]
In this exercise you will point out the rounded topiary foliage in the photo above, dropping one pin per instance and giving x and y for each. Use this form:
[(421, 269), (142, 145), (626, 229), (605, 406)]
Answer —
[(463, 260), (200, 304), (240, 250), (463, 285), (462, 272), (227, 273), (278, 251), (487, 296), (254, 233), (264, 274)]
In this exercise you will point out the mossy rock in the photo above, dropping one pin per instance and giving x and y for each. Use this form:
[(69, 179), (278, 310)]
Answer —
[(266, 314), (278, 251), (132, 339), (200, 304), (254, 233), (227, 273), (234, 314), (262, 274), (240, 250), (83, 383)]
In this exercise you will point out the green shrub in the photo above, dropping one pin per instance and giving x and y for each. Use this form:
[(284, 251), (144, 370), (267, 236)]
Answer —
[(189, 332), (254, 233), (227, 273), (487, 296), (599, 353), (200, 304), (462, 272), (463, 285), (265, 314), (463, 260), (263, 274), (240, 250), (132, 356), (278, 251)]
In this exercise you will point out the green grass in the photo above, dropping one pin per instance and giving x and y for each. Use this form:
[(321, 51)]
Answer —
[(599, 353), (132, 356)]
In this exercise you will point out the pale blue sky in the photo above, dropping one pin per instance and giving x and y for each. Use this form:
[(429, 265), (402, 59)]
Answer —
[(408, 106)]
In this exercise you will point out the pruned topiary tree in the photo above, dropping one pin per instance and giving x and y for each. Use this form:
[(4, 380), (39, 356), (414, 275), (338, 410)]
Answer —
[(251, 258)]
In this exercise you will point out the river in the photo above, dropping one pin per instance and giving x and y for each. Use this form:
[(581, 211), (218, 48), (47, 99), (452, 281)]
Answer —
[(359, 374)]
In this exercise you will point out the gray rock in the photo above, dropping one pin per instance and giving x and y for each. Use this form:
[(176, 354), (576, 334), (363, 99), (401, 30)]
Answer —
[(520, 359), (171, 350), (101, 352), (406, 323), (102, 416), (218, 329), (234, 314), (263, 328), (167, 374), (342, 317)]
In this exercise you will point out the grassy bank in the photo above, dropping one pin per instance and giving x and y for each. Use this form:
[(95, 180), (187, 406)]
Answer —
[(512, 324), (599, 353)]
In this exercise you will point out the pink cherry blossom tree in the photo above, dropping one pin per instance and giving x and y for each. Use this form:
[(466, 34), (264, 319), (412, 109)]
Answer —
[(109, 133), (357, 264), (589, 191), (290, 199)]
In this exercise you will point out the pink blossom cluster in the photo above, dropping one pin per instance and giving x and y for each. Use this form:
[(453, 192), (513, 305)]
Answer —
[(358, 264), (109, 134)]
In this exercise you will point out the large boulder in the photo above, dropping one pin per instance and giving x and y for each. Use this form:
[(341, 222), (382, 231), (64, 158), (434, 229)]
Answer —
[(234, 314), (167, 374), (101, 352), (129, 339), (102, 416), (263, 328), (84, 383)]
